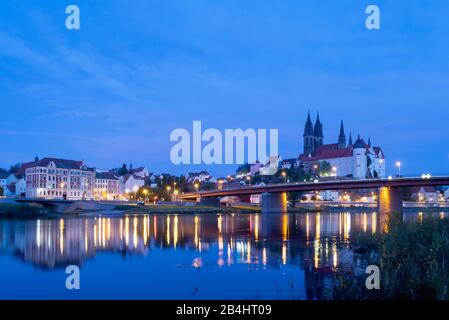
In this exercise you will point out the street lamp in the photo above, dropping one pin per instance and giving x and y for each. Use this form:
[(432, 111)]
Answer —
[(334, 170), (399, 164), (248, 178), (196, 185), (145, 192), (135, 188), (284, 174)]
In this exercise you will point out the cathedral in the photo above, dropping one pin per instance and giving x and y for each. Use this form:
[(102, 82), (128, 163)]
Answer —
[(359, 160)]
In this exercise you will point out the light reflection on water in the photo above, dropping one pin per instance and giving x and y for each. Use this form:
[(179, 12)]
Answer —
[(285, 256)]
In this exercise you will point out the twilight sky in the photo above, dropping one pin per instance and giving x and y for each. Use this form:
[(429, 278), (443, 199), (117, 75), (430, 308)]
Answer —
[(113, 91)]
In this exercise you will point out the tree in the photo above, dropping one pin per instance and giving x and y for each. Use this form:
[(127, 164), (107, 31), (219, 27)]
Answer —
[(1, 191), (243, 169), (123, 170), (325, 168), (13, 169)]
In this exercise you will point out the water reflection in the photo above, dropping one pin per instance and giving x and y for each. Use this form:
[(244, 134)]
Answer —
[(239, 238), (317, 243)]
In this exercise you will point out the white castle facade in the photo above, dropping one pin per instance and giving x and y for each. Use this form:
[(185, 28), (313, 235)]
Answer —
[(359, 160)]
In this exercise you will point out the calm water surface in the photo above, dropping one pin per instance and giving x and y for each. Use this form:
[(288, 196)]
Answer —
[(185, 256)]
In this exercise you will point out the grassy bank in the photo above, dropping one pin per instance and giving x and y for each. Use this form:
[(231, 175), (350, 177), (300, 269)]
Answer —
[(17, 211), (413, 259)]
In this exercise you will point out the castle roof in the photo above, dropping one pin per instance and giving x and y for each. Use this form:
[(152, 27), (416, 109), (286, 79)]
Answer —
[(327, 151)]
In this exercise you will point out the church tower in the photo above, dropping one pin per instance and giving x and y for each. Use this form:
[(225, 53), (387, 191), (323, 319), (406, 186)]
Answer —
[(342, 137), (309, 139), (318, 132)]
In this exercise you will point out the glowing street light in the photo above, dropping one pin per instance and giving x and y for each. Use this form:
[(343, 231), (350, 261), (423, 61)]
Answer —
[(284, 174), (398, 165), (334, 170), (196, 185), (248, 178)]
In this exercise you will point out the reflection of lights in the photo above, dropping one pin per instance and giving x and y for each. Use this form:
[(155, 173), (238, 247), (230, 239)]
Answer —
[(316, 243), (307, 226), (284, 253), (220, 224), (38, 233), (373, 223), (145, 230), (61, 235), (126, 230), (168, 230), (365, 222), (196, 220), (264, 256), (285, 227), (256, 227), (135, 232), (95, 234), (334, 255), (175, 230), (86, 230), (339, 224), (248, 252)]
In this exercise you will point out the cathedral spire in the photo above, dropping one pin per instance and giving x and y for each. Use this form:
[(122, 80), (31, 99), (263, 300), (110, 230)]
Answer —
[(308, 137), (318, 131), (308, 129), (342, 137), (350, 139), (369, 142)]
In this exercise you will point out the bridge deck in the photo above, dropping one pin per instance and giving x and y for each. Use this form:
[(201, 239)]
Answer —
[(320, 186)]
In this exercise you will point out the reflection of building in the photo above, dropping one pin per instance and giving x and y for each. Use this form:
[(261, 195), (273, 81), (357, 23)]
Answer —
[(316, 243), (52, 178), (358, 160)]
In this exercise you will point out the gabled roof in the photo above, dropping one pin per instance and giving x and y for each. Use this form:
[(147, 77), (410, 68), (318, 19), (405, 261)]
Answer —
[(106, 175), (129, 175), (4, 175), (60, 163)]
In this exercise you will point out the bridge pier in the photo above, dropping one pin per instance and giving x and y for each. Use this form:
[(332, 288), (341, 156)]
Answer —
[(390, 206), (273, 202), (209, 202)]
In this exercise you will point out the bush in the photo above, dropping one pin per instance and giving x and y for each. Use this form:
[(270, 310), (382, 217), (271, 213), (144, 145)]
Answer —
[(413, 259)]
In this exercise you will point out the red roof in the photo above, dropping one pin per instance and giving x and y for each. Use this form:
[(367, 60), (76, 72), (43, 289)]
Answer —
[(327, 151), (60, 163)]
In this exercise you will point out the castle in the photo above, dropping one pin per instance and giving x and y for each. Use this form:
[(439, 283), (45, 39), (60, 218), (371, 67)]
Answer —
[(358, 160)]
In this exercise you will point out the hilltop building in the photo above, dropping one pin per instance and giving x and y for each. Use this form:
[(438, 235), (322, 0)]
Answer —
[(358, 160)]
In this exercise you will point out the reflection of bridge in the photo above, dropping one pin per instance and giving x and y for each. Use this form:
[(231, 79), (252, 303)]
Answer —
[(274, 195)]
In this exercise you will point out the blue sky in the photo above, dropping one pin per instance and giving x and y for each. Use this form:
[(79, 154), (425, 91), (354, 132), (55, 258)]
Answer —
[(113, 91)]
